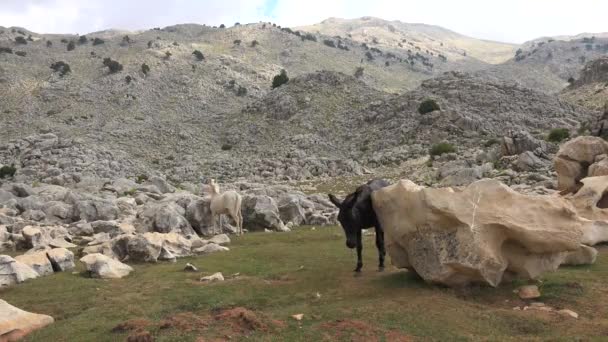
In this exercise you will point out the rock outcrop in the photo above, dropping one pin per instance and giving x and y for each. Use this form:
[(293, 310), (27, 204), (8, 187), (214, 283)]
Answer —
[(482, 234), (101, 266), (579, 158)]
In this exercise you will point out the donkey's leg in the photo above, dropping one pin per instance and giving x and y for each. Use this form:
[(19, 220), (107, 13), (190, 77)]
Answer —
[(359, 252), (380, 246)]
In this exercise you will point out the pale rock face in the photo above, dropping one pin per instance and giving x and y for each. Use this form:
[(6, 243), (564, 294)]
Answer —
[(210, 248), (101, 266), (577, 159), (16, 323), (61, 259), (38, 261), (14, 272), (477, 235), (591, 203), (221, 239)]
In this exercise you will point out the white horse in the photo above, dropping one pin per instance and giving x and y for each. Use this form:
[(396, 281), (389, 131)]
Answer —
[(227, 203)]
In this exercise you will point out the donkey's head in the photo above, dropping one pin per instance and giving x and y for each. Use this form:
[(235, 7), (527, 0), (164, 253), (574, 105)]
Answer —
[(348, 216)]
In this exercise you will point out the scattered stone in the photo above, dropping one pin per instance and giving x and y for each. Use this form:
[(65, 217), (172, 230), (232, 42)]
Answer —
[(298, 317), (568, 313), (214, 277), (210, 248), (190, 268), (221, 239), (61, 259), (528, 292), (14, 272), (38, 261)]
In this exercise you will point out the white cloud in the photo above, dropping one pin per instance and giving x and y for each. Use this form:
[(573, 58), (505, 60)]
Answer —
[(514, 20)]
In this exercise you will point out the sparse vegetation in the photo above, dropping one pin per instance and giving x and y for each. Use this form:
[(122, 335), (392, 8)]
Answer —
[(61, 67), (71, 45), (254, 43), (98, 41), (112, 65), (83, 40), (21, 53), (7, 171), (491, 142), (226, 147), (241, 91), (145, 69), (329, 43), (20, 40), (128, 79), (359, 72), (49, 43), (141, 179), (557, 135), (199, 55), (5, 50), (369, 56), (309, 36), (280, 79), (222, 26), (441, 148), (167, 55), (237, 42), (427, 106), (126, 40)]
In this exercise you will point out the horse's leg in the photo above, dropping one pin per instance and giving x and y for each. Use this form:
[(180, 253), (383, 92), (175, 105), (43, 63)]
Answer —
[(380, 246), (240, 216), (359, 252)]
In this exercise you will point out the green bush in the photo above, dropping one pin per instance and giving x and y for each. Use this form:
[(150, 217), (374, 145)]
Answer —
[(226, 147), (114, 66), (145, 69), (7, 171), (83, 40), (21, 53), (98, 41), (237, 42), (71, 45), (20, 40), (280, 79), (359, 72), (558, 135), (428, 106), (61, 67), (241, 91), (141, 178), (441, 148), (199, 55)]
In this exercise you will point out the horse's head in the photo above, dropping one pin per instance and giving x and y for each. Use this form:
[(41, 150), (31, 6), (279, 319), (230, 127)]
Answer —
[(348, 216)]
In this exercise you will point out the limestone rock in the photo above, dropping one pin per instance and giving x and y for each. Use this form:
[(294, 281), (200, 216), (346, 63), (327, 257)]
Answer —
[(214, 277), (585, 255), (14, 272), (260, 212), (101, 266), (576, 158), (146, 247), (16, 323), (38, 261), (475, 235), (61, 259), (221, 239), (528, 292), (210, 248)]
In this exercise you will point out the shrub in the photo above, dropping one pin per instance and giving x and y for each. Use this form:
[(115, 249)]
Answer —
[(5, 50), (571, 80), (387, 63), (71, 46), (254, 43), (359, 72), (150, 44), (199, 55), (491, 142), (241, 91), (141, 178), (175, 44), (83, 40), (442, 148), (128, 79), (428, 106), (222, 26), (7, 171), (113, 66), (309, 36), (369, 56), (280, 79), (29, 37), (237, 24), (145, 69), (168, 55), (558, 135), (61, 67), (49, 43), (98, 41), (63, 40), (329, 43), (237, 42), (21, 53), (126, 40), (20, 40), (226, 147)]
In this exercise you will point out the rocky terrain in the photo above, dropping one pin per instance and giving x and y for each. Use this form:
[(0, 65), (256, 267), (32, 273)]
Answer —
[(590, 89)]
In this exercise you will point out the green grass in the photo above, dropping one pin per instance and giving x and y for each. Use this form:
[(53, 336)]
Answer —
[(280, 275)]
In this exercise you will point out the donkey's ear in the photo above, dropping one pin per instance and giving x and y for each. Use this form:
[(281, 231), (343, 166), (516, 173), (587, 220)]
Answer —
[(335, 200)]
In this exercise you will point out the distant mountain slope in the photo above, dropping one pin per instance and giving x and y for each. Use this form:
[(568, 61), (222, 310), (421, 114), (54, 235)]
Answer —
[(395, 34), (590, 89)]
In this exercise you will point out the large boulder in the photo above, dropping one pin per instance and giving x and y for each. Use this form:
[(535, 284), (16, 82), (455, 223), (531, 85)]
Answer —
[(165, 217), (520, 142), (38, 261), (261, 212), (16, 323), (198, 213), (61, 259), (95, 209), (101, 266), (478, 235), (292, 208), (576, 158), (14, 272), (145, 247)]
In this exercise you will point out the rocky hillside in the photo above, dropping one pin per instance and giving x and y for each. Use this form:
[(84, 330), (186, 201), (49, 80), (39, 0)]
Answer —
[(591, 88), (416, 37)]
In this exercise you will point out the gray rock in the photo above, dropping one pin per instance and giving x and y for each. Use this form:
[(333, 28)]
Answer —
[(101, 266), (14, 272), (210, 248), (146, 247), (61, 259), (38, 261), (221, 239), (34, 215), (260, 212), (161, 184)]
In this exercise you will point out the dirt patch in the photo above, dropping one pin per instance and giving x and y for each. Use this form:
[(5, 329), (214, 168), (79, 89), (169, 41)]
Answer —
[(242, 320), (132, 325), (140, 336), (360, 331), (185, 321)]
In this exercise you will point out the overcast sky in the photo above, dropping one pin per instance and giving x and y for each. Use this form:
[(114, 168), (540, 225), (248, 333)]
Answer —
[(503, 20)]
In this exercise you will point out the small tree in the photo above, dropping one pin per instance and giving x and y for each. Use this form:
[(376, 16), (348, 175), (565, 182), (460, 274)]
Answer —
[(7, 171), (98, 41), (359, 72), (222, 26), (558, 135), (61, 67), (442, 148), (199, 55), (112, 65), (428, 106), (145, 69), (280, 79), (20, 40), (71, 46), (237, 42), (83, 40)]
